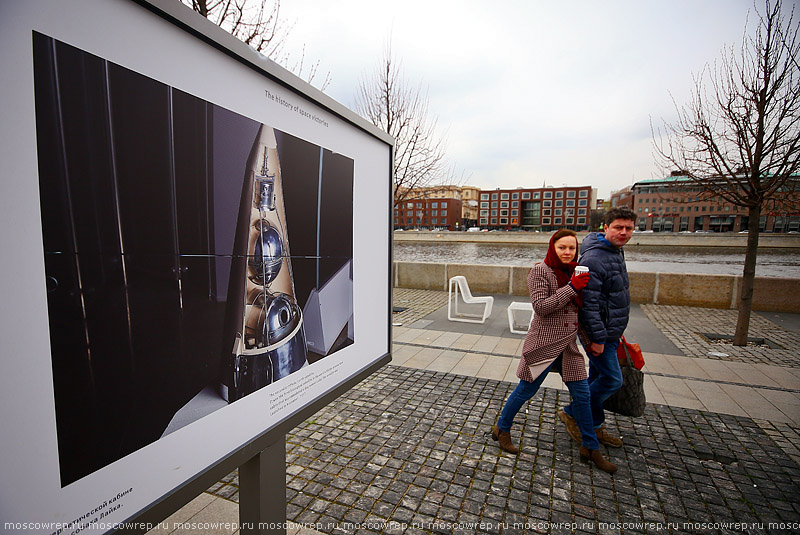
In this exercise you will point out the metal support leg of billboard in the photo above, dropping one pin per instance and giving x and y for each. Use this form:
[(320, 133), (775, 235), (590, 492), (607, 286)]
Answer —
[(262, 491)]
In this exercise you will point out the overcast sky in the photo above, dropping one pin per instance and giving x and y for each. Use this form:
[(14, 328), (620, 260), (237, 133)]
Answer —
[(530, 92)]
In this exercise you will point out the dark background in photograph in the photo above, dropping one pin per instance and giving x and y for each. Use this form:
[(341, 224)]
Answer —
[(130, 164)]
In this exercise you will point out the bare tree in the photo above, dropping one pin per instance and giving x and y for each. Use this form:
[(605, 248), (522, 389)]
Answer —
[(739, 136), (390, 103), (258, 24)]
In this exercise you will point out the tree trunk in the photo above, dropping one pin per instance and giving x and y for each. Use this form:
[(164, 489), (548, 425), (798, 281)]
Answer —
[(748, 278)]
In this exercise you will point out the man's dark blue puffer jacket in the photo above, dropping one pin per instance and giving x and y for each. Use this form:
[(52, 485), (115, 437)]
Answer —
[(606, 299)]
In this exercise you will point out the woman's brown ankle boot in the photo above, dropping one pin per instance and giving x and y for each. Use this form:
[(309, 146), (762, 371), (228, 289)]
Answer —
[(597, 458), (504, 438)]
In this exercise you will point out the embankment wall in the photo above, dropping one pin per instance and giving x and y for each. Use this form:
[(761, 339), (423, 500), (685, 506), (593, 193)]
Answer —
[(712, 291)]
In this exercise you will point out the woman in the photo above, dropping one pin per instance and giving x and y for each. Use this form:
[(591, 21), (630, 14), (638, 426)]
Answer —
[(552, 342)]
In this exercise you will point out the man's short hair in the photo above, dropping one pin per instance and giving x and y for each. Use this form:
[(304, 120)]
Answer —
[(620, 212)]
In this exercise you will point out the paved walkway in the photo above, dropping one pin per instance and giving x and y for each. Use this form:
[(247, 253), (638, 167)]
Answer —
[(407, 450)]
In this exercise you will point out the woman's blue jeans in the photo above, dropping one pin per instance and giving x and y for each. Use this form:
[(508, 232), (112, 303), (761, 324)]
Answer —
[(579, 390), (605, 378)]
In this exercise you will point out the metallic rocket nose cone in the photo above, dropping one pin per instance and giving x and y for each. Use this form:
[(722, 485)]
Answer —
[(268, 255)]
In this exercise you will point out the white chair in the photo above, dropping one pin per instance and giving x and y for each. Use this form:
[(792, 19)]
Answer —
[(524, 307), (458, 284)]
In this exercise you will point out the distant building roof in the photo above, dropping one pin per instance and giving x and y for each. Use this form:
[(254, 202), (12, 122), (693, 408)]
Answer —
[(665, 180)]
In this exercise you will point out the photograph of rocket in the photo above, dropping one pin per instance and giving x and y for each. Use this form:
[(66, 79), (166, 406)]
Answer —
[(192, 255)]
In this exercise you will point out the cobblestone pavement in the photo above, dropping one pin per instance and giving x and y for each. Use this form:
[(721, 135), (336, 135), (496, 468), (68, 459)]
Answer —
[(408, 451), (416, 304), (684, 327)]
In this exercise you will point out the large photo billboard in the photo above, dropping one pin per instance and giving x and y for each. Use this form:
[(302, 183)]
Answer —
[(194, 265)]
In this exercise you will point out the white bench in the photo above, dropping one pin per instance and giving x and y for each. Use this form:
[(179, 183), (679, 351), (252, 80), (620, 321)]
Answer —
[(523, 307), (458, 285)]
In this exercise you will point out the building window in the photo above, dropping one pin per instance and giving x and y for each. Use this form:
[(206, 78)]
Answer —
[(514, 213), (494, 221), (557, 211), (536, 195), (548, 194), (582, 211), (444, 205), (547, 204), (559, 195), (527, 195), (434, 212), (514, 204), (484, 196), (559, 203), (433, 221), (557, 221), (503, 204), (444, 213), (410, 205), (504, 221), (545, 221), (546, 211), (571, 194), (504, 196), (494, 213), (582, 202), (569, 211), (581, 220), (570, 202), (583, 193), (515, 195), (434, 205), (504, 213), (494, 204), (570, 221), (484, 213), (484, 221), (494, 196), (484, 205)]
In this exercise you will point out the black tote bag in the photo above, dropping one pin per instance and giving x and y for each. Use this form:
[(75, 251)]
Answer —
[(629, 400)]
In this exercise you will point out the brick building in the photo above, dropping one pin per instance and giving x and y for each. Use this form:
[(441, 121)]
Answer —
[(468, 195), (676, 204), (428, 213), (543, 209)]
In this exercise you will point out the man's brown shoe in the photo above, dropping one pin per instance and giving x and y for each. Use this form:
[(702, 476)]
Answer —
[(608, 439), (571, 425), (504, 438)]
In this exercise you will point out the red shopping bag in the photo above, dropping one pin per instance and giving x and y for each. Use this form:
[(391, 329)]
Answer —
[(626, 349)]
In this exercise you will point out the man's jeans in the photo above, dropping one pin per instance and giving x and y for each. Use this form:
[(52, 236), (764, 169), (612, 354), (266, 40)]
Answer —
[(579, 390), (605, 378)]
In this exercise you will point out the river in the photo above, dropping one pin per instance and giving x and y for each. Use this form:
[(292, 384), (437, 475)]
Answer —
[(772, 262)]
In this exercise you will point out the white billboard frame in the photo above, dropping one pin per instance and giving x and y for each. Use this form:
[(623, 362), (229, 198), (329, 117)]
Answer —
[(165, 41)]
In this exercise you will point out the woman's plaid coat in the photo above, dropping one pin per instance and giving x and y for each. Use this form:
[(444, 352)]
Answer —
[(553, 330)]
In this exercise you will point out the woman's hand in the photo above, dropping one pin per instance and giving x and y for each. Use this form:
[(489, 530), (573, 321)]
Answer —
[(579, 281)]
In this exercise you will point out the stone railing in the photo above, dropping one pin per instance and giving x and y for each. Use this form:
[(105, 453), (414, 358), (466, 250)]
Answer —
[(713, 291)]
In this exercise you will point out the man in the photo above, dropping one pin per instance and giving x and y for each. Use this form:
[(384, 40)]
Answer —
[(604, 316)]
